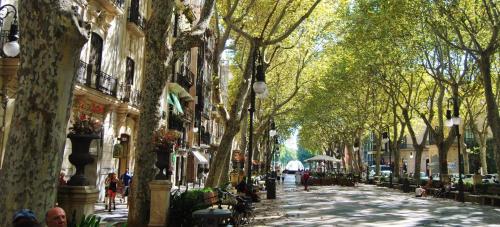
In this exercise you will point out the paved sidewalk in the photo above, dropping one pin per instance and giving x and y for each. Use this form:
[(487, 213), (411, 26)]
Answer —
[(119, 216), (366, 205)]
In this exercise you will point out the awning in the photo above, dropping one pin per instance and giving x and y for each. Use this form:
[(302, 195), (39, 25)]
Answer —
[(177, 104), (201, 159), (169, 100), (180, 91), (322, 158)]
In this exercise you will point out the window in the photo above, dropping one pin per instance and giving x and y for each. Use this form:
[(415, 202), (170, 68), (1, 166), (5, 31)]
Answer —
[(95, 51), (129, 73)]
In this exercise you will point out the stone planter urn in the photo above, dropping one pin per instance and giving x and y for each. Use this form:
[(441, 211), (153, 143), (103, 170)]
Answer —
[(80, 156), (163, 161)]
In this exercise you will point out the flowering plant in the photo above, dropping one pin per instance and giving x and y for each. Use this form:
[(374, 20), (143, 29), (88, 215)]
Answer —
[(84, 124), (164, 137)]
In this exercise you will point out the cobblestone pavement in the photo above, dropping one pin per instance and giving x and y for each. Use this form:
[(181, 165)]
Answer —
[(366, 205)]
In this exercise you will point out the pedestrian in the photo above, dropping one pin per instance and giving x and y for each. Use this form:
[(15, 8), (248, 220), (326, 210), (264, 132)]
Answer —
[(125, 179), (113, 185), (283, 175), (56, 217), (25, 218), (306, 179)]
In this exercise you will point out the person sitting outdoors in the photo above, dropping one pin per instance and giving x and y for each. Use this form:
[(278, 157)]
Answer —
[(423, 191), (25, 218)]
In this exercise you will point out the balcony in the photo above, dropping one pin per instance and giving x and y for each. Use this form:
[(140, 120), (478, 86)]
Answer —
[(104, 82), (132, 96), (205, 138), (135, 22), (112, 6), (185, 79), (175, 122)]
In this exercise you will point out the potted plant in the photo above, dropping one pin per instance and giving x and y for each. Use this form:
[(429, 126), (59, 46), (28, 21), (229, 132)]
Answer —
[(164, 141), (83, 131)]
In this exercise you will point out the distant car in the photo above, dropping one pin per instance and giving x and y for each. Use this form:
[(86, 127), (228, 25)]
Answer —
[(490, 179)]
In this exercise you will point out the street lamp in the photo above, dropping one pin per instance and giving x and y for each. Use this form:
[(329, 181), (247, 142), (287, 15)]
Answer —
[(258, 83), (11, 48), (387, 140), (455, 121)]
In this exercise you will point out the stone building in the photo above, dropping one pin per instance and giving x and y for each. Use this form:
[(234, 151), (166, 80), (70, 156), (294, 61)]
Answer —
[(109, 83)]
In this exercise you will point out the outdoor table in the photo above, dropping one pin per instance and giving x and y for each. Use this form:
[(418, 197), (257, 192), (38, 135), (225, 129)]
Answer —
[(212, 216)]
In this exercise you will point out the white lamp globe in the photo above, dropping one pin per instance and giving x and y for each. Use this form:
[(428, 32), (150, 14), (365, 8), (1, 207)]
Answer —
[(456, 120), (272, 133), (11, 49), (259, 87)]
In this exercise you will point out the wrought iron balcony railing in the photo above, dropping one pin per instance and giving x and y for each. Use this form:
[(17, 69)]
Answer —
[(119, 3), (104, 82), (205, 138), (185, 79), (127, 94), (175, 122), (136, 18)]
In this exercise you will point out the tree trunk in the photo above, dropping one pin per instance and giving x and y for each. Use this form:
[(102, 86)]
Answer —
[(465, 155), (52, 40), (492, 107), (155, 72), (483, 157), (219, 163), (443, 159), (418, 161), (378, 156)]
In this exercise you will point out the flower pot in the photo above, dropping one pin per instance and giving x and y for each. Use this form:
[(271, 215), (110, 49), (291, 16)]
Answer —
[(80, 157), (163, 161)]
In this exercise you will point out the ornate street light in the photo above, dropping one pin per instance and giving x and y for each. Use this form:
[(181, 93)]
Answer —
[(387, 140), (455, 121), (11, 48), (259, 86)]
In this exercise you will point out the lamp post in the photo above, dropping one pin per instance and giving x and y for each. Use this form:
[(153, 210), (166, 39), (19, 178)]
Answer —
[(387, 140), (11, 48), (455, 121), (272, 134), (257, 86)]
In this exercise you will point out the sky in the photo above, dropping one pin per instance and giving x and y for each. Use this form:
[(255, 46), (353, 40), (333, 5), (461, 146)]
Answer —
[(291, 142)]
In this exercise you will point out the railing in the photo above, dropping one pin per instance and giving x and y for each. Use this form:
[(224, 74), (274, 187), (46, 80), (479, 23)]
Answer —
[(403, 145), (205, 138), (136, 18), (175, 122), (119, 3), (107, 84), (132, 96), (104, 83), (185, 79)]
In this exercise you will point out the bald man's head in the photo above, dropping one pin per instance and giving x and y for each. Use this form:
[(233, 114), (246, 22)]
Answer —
[(56, 217)]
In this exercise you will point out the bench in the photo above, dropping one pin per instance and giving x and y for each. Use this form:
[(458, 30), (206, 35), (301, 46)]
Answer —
[(492, 196)]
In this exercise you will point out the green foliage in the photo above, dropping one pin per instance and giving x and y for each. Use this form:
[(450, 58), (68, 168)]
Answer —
[(86, 221), (287, 155), (303, 154), (183, 206)]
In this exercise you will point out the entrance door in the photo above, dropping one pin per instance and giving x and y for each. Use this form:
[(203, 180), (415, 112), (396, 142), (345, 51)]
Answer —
[(123, 160)]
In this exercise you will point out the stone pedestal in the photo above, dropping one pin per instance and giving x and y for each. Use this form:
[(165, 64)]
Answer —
[(160, 201), (78, 199)]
